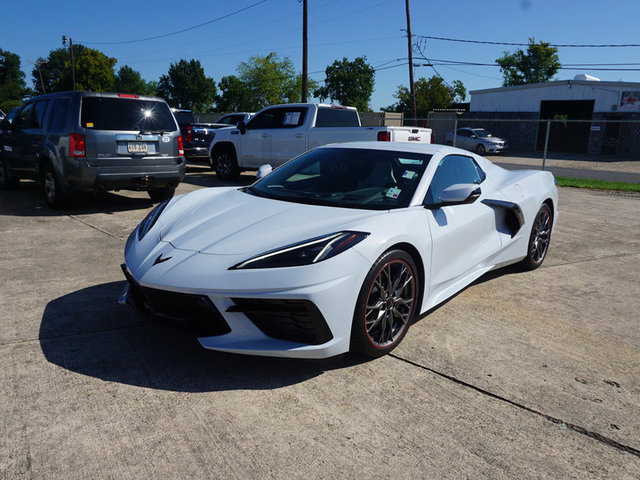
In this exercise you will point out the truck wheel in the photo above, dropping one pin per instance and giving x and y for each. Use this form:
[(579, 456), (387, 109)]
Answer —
[(160, 194), (226, 164), (7, 180), (53, 194)]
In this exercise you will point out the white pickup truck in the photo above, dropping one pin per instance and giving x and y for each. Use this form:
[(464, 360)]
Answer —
[(278, 133)]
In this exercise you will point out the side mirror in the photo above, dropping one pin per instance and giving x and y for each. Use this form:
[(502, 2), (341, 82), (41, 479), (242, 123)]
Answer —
[(458, 194), (473, 135), (264, 170), (242, 127)]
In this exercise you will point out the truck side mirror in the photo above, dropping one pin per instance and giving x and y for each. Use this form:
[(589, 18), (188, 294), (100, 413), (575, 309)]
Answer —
[(242, 127)]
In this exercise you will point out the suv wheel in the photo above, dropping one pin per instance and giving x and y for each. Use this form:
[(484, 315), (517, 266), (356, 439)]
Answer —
[(7, 181), (53, 194), (160, 194)]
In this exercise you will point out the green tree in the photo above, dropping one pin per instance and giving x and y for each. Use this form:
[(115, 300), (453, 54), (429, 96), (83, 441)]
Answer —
[(94, 70), (269, 80), (348, 82), (235, 95), (430, 94), (539, 64), (186, 86), (12, 85), (129, 80)]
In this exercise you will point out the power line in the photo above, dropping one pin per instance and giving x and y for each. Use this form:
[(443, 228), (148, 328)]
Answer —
[(177, 31), (512, 44)]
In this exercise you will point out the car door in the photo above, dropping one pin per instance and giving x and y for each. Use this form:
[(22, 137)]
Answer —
[(462, 236), (463, 139), (289, 138), (255, 143), (31, 139), (13, 142)]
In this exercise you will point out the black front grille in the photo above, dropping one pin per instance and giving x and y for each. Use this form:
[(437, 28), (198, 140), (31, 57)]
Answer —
[(193, 312), (293, 320)]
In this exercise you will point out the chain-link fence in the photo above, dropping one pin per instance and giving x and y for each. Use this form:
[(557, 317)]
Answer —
[(594, 149)]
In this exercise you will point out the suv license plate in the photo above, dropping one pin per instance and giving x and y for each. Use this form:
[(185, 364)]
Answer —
[(137, 147)]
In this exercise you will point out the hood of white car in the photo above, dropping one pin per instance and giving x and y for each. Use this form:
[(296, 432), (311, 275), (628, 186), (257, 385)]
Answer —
[(235, 222)]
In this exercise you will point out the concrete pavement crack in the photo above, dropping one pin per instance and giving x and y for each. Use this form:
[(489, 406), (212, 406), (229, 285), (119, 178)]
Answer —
[(73, 217), (576, 428)]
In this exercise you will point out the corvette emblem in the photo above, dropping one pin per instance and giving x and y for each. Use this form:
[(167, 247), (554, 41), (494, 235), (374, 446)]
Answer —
[(160, 259)]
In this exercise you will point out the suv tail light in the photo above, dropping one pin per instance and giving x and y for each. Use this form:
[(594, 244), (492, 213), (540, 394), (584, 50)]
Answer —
[(77, 145), (189, 134), (384, 136), (433, 137), (180, 147)]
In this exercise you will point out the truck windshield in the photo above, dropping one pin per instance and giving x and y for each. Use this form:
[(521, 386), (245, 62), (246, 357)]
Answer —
[(346, 177), (110, 113)]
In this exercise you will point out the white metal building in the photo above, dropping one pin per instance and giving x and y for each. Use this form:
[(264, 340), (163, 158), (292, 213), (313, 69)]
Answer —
[(578, 98)]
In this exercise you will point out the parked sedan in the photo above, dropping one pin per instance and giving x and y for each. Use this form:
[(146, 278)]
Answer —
[(339, 249), (477, 140)]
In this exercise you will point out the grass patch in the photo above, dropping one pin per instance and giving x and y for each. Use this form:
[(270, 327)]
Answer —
[(598, 184)]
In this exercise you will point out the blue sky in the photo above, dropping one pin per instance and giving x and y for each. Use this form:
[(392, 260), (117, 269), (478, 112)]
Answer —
[(337, 28)]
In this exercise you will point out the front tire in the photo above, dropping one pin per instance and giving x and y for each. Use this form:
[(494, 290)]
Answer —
[(386, 305), (7, 180), (226, 164), (539, 239), (480, 150)]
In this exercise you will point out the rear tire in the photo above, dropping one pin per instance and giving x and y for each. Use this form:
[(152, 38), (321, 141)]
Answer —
[(226, 164), (386, 305), (539, 239), (51, 188), (450, 143), (7, 180), (162, 193)]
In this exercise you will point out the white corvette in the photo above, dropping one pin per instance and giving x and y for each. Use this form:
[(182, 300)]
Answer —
[(339, 249)]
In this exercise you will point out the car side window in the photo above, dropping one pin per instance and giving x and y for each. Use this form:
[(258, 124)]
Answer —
[(453, 169), (58, 116), (38, 114), (23, 118), (463, 133), (266, 119)]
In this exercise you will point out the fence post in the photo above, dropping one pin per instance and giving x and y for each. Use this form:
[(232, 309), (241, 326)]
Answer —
[(455, 130), (546, 145)]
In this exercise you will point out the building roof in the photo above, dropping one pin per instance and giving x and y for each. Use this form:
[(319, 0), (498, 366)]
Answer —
[(587, 83)]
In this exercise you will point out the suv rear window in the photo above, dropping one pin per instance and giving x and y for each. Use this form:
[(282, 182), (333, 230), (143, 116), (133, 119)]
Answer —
[(108, 113)]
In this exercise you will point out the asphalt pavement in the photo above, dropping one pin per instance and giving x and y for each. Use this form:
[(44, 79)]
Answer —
[(521, 375)]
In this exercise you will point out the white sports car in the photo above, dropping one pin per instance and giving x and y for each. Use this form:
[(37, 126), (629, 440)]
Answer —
[(339, 249)]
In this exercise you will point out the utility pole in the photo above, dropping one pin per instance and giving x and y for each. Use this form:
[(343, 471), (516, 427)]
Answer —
[(37, 64), (305, 54), (409, 43), (73, 63)]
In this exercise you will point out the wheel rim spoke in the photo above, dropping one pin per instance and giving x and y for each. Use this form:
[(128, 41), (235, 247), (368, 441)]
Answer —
[(390, 303)]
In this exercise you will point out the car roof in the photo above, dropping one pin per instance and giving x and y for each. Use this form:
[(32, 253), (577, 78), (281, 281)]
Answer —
[(425, 148)]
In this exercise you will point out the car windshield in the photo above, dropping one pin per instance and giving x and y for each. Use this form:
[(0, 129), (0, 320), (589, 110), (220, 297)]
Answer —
[(109, 113), (481, 132), (346, 177)]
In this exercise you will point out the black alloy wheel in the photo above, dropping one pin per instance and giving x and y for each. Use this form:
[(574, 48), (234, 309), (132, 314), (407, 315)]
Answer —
[(226, 164), (387, 304), (480, 150), (539, 238)]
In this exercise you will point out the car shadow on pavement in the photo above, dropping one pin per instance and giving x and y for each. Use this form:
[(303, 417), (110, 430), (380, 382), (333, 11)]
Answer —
[(89, 333), (27, 201)]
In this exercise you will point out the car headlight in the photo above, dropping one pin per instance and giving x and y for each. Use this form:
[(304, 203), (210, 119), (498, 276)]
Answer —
[(310, 251), (151, 219)]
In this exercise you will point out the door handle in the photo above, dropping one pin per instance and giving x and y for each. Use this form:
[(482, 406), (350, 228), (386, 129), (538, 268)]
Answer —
[(299, 135), (264, 135)]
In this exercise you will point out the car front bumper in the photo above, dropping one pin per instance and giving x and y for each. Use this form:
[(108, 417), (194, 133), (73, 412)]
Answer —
[(303, 312)]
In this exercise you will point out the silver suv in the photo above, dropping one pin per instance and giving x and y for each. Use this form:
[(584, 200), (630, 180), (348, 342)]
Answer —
[(84, 141)]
